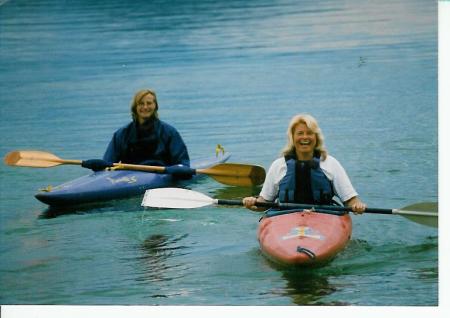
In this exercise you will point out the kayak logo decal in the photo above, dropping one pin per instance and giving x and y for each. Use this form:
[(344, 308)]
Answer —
[(303, 231), (132, 179)]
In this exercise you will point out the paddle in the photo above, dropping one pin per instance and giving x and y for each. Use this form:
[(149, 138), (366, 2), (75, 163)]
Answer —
[(423, 213), (236, 174)]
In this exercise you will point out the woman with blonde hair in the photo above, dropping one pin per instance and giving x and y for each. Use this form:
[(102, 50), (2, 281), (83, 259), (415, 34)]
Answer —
[(146, 140), (306, 173), (312, 124)]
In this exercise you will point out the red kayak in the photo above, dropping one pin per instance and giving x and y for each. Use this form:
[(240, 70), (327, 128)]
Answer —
[(303, 238)]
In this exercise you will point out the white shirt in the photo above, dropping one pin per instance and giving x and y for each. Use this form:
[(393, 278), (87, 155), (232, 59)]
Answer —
[(330, 166)]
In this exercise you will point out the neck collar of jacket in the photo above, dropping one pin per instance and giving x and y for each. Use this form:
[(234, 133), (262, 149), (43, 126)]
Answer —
[(313, 163), (148, 124)]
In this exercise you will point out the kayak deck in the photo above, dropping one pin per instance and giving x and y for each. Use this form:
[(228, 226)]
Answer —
[(304, 238), (115, 184)]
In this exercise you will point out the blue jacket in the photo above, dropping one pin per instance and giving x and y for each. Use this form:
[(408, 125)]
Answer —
[(161, 144), (320, 186)]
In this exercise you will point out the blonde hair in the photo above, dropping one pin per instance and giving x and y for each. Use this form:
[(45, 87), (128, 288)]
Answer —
[(312, 124), (138, 98)]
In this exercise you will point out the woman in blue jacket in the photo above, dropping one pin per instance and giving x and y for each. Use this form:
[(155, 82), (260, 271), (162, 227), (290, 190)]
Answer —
[(146, 140)]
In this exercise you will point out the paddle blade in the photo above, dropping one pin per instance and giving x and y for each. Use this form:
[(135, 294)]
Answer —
[(236, 174), (235, 181), (32, 158), (175, 198), (425, 213)]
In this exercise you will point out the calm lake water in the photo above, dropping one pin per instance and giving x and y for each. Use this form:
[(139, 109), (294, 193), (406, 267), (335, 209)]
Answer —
[(231, 73)]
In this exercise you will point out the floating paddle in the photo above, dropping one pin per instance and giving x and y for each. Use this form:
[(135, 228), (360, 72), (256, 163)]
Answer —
[(423, 213), (228, 173)]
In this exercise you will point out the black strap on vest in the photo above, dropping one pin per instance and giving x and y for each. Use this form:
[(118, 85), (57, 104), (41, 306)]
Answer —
[(309, 185)]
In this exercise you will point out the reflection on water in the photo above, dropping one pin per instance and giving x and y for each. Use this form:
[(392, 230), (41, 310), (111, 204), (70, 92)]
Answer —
[(53, 212), (309, 287), (159, 250)]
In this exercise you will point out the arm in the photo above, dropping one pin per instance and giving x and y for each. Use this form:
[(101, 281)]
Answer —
[(179, 151), (111, 155), (113, 151), (178, 155), (176, 147), (343, 186), (269, 191)]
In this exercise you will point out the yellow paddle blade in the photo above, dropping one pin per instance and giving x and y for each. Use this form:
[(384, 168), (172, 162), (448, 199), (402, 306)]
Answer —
[(32, 158), (236, 174), (235, 181), (425, 213)]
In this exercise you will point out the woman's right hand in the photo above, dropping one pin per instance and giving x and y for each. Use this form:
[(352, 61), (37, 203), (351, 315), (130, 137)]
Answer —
[(96, 164), (251, 203)]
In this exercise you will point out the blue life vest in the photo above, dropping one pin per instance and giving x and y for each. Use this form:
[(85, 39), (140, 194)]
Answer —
[(321, 186)]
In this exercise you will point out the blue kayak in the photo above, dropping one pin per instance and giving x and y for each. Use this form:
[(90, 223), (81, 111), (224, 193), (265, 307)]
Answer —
[(116, 184)]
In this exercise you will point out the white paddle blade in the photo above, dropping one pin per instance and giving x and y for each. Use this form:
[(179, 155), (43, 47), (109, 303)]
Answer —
[(421, 217), (425, 213), (175, 198)]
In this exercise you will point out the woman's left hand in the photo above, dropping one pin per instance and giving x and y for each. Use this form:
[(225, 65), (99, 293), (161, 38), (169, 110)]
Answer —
[(357, 206)]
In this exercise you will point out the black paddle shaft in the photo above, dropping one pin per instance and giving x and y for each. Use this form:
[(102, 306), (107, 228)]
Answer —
[(239, 202), (291, 206)]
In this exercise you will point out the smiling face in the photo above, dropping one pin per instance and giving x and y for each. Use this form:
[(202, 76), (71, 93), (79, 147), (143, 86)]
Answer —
[(145, 108), (305, 141)]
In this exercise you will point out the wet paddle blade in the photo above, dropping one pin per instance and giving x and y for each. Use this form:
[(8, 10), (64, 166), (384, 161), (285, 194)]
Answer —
[(236, 174), (175, 198), (32, 158), (425, 213), (235, 181)]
